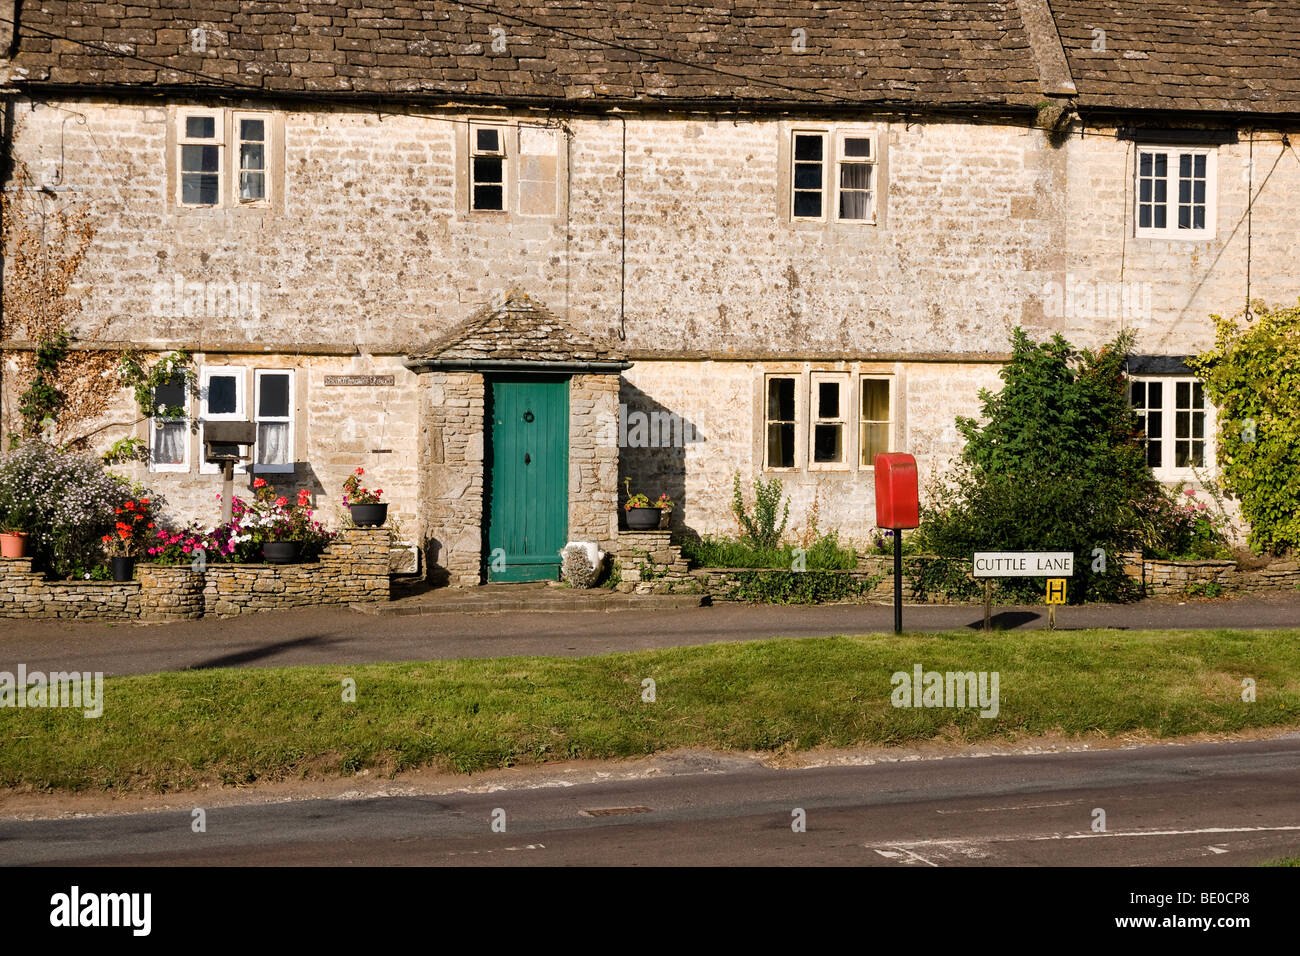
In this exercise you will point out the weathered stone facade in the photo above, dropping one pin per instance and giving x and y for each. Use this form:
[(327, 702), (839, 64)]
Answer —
[(354, 568), (665, 227)]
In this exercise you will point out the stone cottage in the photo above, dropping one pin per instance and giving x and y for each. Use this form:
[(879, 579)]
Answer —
[(503, 256)]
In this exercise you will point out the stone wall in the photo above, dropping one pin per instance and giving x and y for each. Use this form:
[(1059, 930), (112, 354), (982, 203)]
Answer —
[(354, 568), (1171, 579), (24, 593), (452, 478), (593, 459), (647, 562)]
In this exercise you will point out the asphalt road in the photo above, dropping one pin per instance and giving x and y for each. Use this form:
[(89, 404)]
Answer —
[(341, 636), (1201, 804)]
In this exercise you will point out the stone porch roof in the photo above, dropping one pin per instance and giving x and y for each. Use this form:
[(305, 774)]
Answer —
[(517, 333)]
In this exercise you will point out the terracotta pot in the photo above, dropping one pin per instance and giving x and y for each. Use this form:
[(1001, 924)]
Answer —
[(13, 544), (642, 519), (369, 516)]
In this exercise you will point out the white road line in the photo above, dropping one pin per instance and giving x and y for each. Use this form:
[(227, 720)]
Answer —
[(1027, 806), (954, 842)]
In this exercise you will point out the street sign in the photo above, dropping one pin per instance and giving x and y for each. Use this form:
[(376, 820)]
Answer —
[(1024, 564), (1056, 590)]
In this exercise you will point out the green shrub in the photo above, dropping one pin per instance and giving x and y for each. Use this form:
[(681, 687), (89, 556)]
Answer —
[(825, 553), (761, 529), (1058, 465), (798, 587), (1252, 375)]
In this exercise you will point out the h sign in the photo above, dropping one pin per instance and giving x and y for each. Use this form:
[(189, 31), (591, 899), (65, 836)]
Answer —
[(898, 497)]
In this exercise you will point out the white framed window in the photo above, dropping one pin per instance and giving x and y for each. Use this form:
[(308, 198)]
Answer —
[(808, 175), (1177, 425), (199, 143), (487, 168), (855, 163), (875, 418), (273, 408), (221, 399), (1175, 194), (780, 421), (169, 437), (252, 142), (828, 404)]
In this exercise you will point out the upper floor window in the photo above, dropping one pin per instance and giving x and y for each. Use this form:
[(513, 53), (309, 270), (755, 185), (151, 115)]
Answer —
[(201, 148), (223, 158), (832, 175), (252, 158), (488, 168), (1175, 193), (1176, 421)]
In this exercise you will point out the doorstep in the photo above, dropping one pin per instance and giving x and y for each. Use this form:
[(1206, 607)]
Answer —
[(491, 598)]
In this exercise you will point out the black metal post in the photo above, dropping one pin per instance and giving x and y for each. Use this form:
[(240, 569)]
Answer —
[(898, 581)]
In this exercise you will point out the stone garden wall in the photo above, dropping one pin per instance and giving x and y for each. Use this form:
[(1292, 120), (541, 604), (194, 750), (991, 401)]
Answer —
[(354, 568), (1208, 578), (648, 563)]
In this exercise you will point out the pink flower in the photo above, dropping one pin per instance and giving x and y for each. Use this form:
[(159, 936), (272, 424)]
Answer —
[(1190, 491), (1200, 507)]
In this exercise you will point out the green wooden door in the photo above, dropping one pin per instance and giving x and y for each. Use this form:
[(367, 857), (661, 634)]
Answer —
[(528, 470)]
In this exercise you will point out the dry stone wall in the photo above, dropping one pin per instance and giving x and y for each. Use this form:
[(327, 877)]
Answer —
[(354, 568)]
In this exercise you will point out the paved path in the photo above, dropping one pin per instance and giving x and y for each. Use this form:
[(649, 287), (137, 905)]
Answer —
[(1216, 804), (343, 636)]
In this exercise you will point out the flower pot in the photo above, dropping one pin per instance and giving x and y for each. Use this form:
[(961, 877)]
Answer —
[(369, 516), (13, 544), (123, 568), (642, 519), (281, 552)]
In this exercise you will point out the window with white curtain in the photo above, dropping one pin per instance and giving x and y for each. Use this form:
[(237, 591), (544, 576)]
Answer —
[(274, 416), (855, 160), (169, 432)]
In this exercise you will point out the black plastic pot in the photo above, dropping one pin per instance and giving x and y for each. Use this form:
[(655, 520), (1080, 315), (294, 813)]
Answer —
[(369, 516), (642, 519), (123, 568), (281, 552)]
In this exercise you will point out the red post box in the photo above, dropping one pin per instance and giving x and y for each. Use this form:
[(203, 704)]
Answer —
[(898, 497)]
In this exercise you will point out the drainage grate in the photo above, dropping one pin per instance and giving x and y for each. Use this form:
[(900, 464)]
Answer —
[(612, 811)]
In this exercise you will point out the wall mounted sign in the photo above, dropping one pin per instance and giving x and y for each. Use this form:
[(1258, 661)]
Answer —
[(363, 380)]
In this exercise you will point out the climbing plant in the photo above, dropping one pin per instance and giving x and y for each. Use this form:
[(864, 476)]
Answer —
[(1252, 375)]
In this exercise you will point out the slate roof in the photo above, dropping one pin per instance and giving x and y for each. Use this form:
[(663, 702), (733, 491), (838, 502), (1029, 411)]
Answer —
[(519, 329), (1215, 55), (870, 51), (1203, 55)]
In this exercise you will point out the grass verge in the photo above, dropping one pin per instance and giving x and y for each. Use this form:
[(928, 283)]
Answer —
[(181, 729)]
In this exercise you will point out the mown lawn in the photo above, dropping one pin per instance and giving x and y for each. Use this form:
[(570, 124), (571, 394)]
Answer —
[(176, 730)]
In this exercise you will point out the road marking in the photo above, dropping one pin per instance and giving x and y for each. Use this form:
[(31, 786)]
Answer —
[(1027, 806), (965, 845), (612, 811), (1216, 849), (1132, 833)]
